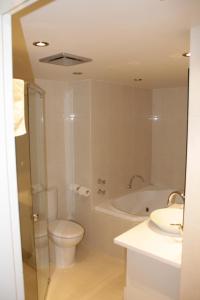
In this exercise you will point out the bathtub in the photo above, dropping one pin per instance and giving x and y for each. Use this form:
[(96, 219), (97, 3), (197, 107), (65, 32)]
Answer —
[(113, 217), (136, 206)]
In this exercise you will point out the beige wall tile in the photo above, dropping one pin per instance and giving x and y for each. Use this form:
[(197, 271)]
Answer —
[(121, 136), (169, 133), (55, 141)]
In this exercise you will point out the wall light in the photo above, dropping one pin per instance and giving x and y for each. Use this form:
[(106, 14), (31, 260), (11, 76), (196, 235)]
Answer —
[(187, 54), (71, 117)]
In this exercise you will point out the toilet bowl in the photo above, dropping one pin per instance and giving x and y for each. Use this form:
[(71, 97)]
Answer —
[(65, 235)]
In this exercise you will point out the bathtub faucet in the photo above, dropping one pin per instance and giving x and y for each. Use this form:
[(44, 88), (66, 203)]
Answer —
[(130, 185)]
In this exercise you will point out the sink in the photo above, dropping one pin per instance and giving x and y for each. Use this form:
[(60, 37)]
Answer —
[(164, 217)]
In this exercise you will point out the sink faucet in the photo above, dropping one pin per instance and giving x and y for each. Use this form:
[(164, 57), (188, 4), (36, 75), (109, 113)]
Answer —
[(172, 196), (130, 185), (171, 199)]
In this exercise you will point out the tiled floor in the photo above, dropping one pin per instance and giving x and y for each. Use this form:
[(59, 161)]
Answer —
[(94, 276)]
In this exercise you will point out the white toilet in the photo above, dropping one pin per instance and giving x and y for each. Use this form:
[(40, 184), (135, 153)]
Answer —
[(63, 234)]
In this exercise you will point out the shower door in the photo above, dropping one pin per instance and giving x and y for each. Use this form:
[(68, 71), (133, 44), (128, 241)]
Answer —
[(38, 185)]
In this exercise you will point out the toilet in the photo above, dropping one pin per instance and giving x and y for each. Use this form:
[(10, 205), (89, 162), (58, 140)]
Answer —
[(64, 235)]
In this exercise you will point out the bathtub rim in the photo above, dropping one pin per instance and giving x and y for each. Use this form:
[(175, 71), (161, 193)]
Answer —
[(107, 208)]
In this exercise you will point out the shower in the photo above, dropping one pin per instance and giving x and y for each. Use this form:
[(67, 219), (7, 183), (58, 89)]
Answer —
[(31, 176)]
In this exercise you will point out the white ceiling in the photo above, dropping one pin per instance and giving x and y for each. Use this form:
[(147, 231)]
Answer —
[(124, 38)]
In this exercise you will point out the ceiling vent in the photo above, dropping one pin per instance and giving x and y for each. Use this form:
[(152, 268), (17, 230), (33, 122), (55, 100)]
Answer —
[(65, 59)]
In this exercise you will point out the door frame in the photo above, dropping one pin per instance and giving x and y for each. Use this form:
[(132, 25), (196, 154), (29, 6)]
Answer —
[(11, 281)]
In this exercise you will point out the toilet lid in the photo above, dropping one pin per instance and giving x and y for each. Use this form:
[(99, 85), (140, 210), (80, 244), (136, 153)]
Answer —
[(40, 229), (65, 229)]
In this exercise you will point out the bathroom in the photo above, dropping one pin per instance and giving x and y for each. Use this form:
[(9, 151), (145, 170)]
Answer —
[(103, 131)]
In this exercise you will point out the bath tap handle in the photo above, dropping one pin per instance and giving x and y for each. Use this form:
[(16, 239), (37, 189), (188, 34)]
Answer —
[(101, 181), (101, 191)]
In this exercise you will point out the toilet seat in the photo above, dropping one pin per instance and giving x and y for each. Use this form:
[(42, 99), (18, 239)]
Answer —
[(65, 229)]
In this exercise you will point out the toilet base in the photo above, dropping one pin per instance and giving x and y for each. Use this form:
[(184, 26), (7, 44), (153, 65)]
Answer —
[(64, 257)]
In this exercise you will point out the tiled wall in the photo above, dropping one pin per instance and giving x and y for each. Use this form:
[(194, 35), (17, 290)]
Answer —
[(112, 140), (78, 142), (126, 128), (102, 130), (169, 130), (121, 137), (55, 93)]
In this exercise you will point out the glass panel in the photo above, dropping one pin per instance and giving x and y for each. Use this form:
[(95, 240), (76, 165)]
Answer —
[(25, 197), (38, 181)]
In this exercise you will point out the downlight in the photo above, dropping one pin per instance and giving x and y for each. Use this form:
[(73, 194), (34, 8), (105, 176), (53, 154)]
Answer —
[(40, 44)]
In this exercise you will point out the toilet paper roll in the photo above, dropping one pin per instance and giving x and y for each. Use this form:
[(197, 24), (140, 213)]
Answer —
[(84, 191)]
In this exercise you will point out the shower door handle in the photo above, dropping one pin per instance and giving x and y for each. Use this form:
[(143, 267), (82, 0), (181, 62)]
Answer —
[(35, 218)]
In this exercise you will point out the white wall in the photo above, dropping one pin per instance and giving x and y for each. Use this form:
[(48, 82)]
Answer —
[(82, 132), (96, 129), (190, 287), (55, 93), (169, 129), (118, 146), (78, 141), (121, 137)]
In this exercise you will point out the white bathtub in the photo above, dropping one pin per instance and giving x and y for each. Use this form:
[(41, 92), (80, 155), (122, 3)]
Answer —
[(137, 205)]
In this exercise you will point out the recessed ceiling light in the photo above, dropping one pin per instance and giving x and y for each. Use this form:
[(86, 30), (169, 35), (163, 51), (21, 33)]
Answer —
[(187, 54), (77, 73), (137, 79), (41, 44)]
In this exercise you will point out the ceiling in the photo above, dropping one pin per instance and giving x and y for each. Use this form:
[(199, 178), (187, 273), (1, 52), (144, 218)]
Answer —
[(125, 39)]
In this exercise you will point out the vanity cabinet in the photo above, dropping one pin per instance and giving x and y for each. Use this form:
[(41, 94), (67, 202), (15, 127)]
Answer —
[(153, 263)]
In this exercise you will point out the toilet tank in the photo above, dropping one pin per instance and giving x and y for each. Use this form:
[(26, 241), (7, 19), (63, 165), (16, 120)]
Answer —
[(52, 204)]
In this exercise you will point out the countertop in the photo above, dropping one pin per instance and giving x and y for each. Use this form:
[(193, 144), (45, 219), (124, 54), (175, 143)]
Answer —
[(149, 240)]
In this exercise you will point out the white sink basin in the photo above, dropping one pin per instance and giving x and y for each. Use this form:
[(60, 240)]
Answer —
[(165, 217)]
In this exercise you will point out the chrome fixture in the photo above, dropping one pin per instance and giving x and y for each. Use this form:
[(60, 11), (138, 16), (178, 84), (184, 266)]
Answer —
[(35, 218), (130, 185), (101, 191), (172, 197), (186, 54), (172, 200), (101, 181)]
